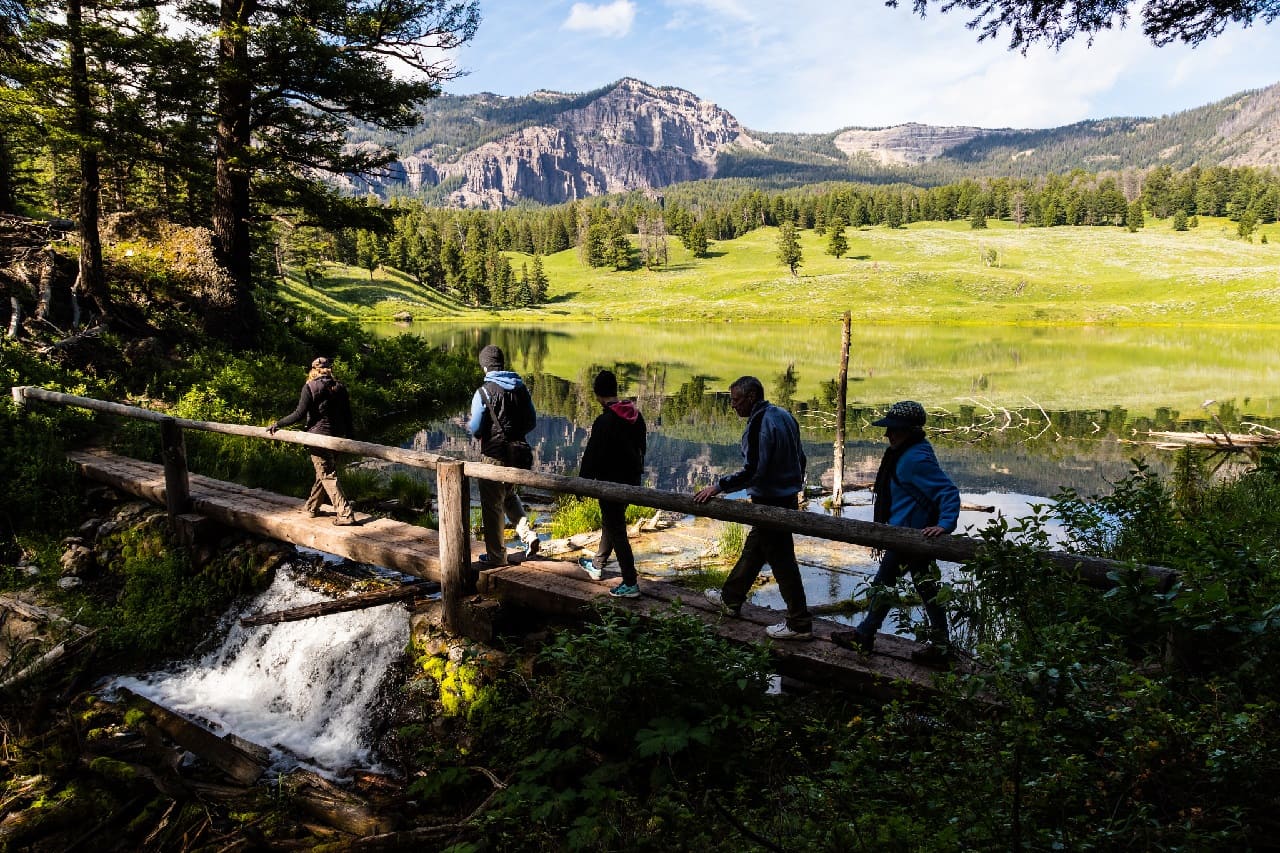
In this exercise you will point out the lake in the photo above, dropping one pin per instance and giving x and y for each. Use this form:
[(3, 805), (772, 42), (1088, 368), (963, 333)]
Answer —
[(1015, 413), (1025, 410)]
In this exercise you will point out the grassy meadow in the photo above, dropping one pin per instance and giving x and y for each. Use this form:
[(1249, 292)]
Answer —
[(928, 272)]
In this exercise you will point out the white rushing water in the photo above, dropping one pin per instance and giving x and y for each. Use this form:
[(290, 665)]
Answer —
[(306, 690)]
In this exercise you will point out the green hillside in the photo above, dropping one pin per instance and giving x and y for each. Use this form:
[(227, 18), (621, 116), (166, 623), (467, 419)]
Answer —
[(927, 272)]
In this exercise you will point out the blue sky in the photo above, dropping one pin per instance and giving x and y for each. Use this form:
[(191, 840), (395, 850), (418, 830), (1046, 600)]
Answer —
[(819, 65)]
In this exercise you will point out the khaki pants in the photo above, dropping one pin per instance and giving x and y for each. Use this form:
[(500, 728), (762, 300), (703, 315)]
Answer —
[(326, 465), (498, 500)]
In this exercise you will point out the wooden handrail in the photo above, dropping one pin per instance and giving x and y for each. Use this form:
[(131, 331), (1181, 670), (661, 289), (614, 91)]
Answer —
[(1094, 571)]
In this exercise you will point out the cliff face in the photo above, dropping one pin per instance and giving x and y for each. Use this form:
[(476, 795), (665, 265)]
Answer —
[(635, 136), (491, 151), (905, 144)]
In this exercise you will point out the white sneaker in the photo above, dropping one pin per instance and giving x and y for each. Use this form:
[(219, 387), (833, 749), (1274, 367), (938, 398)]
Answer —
[(716, 597), (782, 632)]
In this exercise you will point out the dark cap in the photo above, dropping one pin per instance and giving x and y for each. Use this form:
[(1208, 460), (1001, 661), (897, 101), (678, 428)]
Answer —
[(903, 414), (491, 358), (605, 384), (322, 363)]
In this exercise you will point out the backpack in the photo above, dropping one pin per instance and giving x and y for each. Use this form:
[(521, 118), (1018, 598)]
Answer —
[(332, 404), (508, 424)]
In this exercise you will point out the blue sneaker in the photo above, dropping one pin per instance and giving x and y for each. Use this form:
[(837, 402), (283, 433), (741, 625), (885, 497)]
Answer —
[(589, 566), (625, 590)]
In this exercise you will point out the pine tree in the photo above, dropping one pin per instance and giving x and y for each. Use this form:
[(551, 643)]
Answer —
[(538, 282), (695, 240), (838, 244), (1179, 220), (789, 253)]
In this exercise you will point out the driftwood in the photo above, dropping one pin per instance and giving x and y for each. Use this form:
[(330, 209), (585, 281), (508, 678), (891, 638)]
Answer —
[(36, 613), (340, 809), (352, 602), (47, 660), (238, 763)]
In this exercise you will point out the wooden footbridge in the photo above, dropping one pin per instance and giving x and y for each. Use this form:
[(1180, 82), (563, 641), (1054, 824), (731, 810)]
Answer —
[(556, 588)]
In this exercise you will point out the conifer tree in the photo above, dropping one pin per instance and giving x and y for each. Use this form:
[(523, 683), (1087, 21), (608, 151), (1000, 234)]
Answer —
[(837, 244), (538, 281), (789, 253)]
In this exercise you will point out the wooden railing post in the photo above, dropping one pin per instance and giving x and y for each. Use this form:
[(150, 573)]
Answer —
[(453, 501), (19, 395), (177, 485)]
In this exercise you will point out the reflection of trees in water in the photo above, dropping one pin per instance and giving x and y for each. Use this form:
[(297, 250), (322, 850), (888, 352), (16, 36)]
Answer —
[(694, 433)]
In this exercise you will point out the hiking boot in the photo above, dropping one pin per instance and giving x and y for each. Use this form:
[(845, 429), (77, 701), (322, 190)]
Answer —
[(347, 521), (625, 590), (854, 641), (716, 597), (311, 513), (936, 655), (589, 566), (782, 632)]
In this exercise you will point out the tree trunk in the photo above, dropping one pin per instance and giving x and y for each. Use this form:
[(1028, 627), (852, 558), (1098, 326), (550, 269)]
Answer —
[(90, 281), (231, 201), (7, 192), (842, 400)]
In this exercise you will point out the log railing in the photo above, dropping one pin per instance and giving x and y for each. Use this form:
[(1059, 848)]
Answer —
[(453, 497)]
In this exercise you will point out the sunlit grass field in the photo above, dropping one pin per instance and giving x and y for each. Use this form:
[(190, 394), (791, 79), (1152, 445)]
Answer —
[(926, 273)]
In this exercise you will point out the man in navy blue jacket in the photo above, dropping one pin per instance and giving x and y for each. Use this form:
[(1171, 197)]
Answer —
[(773, 475), (911, 490)]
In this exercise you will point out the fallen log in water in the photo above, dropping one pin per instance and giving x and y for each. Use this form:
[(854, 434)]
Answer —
[(353, 602), (232, 760)]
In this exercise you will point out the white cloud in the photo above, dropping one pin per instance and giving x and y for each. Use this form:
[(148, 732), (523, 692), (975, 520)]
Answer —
[(612, 20)]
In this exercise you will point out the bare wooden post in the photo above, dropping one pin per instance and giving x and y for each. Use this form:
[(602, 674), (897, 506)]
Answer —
[(453, 499), (177, 486), (842, 398), (19, 395)]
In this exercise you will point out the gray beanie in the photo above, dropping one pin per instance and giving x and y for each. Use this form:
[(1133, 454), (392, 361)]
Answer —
[(491, 358)]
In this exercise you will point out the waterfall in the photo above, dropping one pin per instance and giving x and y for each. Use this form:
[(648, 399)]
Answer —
[(306, 690)]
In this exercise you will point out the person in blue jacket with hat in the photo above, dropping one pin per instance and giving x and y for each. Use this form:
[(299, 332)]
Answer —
[(911, 490)]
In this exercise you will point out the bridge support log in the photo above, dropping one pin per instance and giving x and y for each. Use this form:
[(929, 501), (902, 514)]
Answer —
[(177, 482), (453, 499)]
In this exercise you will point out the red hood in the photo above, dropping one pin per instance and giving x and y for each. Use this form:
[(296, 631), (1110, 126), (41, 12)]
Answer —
[(625, 409)]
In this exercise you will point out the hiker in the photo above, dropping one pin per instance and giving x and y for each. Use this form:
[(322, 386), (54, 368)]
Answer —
[(614, 452), (911, 490), (773, 475), (325, 404), (502, 414)]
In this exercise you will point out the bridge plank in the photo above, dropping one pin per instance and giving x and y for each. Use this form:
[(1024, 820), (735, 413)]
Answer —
[(561, 589)]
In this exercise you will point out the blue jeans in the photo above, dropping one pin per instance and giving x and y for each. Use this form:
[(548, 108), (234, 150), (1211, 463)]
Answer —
[(927, 580)]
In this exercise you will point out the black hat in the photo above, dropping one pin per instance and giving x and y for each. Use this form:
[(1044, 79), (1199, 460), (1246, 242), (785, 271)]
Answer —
[(322, 363), (491, 358), (905, 413), (605, 384)]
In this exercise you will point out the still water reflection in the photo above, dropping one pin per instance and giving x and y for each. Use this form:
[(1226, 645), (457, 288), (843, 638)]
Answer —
[(1013, 410), (1015, 414)]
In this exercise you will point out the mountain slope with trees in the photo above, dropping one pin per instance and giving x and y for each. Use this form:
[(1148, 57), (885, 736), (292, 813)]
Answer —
[(489, 151)]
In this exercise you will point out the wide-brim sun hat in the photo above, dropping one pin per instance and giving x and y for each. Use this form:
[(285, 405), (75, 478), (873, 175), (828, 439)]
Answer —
[(903, 414)]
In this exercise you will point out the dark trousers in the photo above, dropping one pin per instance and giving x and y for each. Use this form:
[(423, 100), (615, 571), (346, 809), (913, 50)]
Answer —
[(927, 580), (775, 547), (613, 540)]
